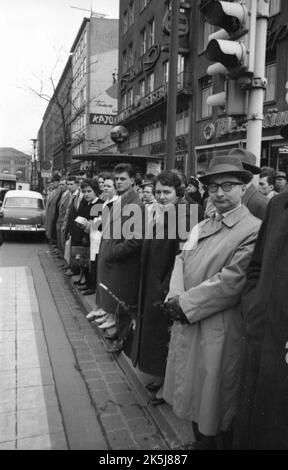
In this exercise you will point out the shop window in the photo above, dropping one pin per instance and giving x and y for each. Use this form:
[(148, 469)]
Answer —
[(270, 72), (206, 91), (274, 7)]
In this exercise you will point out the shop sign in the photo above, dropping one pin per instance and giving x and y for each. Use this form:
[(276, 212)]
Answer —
[(102, 119), (144, 64), (183, 28), (119, 134), (148, 100), (229, 125), (209, 131)]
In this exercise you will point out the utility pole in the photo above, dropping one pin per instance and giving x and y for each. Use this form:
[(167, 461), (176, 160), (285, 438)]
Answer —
[(257, 93), (172, 86)]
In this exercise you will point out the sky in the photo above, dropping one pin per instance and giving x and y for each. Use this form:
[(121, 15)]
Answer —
[(35, 35)]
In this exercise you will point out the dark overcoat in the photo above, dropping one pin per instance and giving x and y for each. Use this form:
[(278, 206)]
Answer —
[(152, 334), (255, 202), (262, 421), (119, 262)]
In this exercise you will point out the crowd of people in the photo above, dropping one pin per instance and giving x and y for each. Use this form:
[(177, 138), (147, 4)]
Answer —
[(180, 279)]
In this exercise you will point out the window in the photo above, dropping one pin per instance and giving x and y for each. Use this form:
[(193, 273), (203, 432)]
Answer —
[(125, 22), (143, 41), (150, 82), (270, 94), (166, 71), (274, 7), (131, 13), (180, 63), (142, 88), (151, 133), (151, 33), (124, 61), (144, 4), (130, 97), (133, 140), (130, 55), (124, 101), (207, 30), (206, 90)]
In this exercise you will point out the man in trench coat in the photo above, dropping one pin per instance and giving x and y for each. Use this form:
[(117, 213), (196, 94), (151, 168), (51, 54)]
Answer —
[(262, 418), (205, 352)]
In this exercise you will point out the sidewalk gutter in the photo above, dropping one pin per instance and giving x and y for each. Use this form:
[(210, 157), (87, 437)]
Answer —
[(173, 428)]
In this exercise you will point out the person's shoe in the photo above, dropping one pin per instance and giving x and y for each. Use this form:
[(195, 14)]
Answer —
[(69, 273), (107, 324), (77, 283), (153, 386), (99, 313), (82, 287), (101, 320), (117, 346), (91, 315), (156, 401), (111, 337), (88, 292)]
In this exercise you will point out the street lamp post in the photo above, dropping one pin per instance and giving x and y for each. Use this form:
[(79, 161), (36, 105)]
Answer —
[(34, 165)]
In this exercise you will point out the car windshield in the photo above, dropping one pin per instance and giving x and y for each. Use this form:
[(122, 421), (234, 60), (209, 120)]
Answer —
[(27, 202)]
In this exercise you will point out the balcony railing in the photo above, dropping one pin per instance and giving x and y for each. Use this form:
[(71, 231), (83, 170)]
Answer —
[(153, 97)]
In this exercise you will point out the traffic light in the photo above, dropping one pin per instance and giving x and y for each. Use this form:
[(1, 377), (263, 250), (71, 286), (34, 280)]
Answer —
[(232, 48)]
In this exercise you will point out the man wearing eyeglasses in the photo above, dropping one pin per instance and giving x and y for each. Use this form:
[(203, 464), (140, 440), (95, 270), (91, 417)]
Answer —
[(203, 368)]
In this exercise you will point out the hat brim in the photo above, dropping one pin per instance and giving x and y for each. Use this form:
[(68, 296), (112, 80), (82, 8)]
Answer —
[(246, 176), (252, 168)]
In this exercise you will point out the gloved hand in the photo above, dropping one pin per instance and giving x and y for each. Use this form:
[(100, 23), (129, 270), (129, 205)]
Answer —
[(174, 311)]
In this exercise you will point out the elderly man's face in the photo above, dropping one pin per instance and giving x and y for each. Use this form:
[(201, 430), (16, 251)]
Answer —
[(225, 201)]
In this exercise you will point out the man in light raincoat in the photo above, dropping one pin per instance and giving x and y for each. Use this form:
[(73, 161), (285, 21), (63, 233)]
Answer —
[(205, 352)]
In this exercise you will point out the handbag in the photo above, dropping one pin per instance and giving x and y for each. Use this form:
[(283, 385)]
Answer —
[(79, 256)]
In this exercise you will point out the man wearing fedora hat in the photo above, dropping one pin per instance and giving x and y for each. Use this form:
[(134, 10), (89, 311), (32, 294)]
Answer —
[(205, 351)]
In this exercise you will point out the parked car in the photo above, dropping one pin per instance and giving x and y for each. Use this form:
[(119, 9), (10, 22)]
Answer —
[(22, 211)]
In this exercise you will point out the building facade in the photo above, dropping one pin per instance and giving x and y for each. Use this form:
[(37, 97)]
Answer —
[(94, 91), (54, 135), (215, 132), (143, 80), (16, 163), (201, 132)]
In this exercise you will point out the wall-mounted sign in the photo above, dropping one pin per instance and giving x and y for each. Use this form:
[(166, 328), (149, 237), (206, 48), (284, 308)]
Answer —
[(102, 119), (209, 131), (183, 28), (119, 134), (225, 126), (45, 165), (144, 64)]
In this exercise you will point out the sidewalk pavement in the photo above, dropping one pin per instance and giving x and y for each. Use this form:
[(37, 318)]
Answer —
[(177, 432), (29, 413)]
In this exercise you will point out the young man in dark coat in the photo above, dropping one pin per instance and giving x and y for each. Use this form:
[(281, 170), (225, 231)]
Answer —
[(120, 256), (262, 421)]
